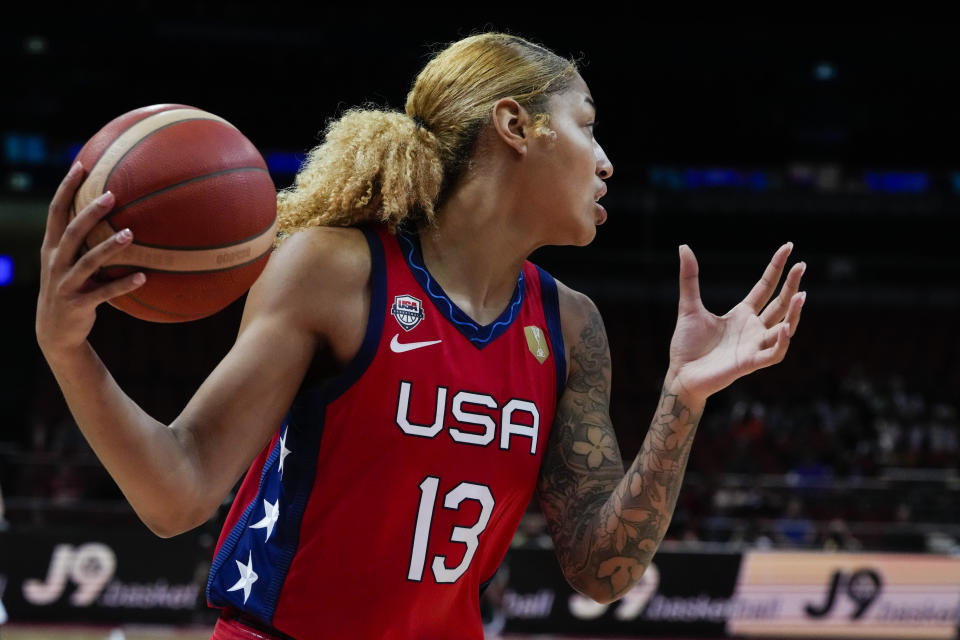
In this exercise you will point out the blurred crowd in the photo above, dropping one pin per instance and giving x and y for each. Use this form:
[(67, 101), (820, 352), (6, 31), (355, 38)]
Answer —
[(852, 427), (862, 463)]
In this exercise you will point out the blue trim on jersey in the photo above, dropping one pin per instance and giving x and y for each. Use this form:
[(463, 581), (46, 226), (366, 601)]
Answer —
[(478, 335), (272, 554), (551, 311), (486, 583)]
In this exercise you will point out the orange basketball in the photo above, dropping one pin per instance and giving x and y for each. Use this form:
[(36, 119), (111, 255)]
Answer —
[(199, 200)]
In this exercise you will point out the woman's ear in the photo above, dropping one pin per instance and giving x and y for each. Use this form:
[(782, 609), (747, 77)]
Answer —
[(509, 122)]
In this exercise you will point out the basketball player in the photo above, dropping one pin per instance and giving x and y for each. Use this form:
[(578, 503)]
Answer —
[(380, 499)]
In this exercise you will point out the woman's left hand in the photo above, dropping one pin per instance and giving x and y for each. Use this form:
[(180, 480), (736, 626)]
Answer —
[(709, 352)]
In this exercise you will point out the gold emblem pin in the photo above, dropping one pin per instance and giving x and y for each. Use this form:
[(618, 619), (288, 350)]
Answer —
[(537, 343)]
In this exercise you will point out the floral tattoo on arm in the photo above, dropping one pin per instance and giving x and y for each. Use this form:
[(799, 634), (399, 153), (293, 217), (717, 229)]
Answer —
[(607, 525)]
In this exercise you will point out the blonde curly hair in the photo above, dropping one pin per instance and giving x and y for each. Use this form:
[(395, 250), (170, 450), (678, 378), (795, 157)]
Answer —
[(393, 167)]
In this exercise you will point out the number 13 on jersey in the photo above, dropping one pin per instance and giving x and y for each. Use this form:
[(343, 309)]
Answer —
[(470, 536)]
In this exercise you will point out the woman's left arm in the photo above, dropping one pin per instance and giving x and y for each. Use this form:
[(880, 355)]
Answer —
[(606, 525)]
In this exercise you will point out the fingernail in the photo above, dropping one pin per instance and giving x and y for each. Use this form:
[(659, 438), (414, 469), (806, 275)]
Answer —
[(124, 235), (105, 197), (139, 278), (803, 297), (75, 167), (790, 244)]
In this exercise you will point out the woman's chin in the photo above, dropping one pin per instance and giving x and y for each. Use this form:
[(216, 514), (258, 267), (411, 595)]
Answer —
[(585, 236)]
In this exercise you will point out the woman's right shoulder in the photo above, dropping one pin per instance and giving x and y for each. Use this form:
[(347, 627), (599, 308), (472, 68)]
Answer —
[(322, 252), (319, 279)]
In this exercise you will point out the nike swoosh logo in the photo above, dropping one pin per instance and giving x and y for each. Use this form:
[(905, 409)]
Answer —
[(400, 347)]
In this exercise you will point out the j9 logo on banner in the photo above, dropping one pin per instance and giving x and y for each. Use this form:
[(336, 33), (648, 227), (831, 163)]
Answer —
[(89, 566), (862, 587)]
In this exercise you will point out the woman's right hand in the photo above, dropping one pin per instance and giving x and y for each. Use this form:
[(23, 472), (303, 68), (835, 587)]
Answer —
[(69, 296)]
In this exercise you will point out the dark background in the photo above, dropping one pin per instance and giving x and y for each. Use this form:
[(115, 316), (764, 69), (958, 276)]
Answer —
[(743, 96)]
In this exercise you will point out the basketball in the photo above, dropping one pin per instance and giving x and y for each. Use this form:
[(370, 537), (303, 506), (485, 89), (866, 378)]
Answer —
[(199, 200)]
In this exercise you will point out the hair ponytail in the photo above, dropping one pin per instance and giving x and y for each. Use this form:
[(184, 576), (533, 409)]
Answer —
[(373, 166)]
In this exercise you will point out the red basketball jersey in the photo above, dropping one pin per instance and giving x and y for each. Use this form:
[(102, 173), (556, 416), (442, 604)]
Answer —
[(391, 493)]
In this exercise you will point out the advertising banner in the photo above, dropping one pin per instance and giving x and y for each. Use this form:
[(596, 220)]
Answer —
[(101, 576), (847, 596), (93, 575), (685, 594)]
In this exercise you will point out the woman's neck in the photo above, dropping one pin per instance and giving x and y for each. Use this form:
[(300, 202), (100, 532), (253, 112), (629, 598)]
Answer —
[(477, 249)]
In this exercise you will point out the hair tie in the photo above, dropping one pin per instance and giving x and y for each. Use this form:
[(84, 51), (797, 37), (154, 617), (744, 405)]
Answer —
[(417, 120)]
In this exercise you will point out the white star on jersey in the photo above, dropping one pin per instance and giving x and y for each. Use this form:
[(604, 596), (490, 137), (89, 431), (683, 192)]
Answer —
[(272, 512), (284, 452), (247, 577)]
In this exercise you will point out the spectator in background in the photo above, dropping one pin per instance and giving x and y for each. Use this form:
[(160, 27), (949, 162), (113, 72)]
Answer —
[(900, 536), (749, 534), (4, 525), (943, 435), (794, 529), (67, 486), (811, 471), (889, 434), (748, 421), (839, 538), (532, 532)]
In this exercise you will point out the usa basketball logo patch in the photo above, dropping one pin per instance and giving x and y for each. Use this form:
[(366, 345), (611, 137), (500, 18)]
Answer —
[(407, 310)]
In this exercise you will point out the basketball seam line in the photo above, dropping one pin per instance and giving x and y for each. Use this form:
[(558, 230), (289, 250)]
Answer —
[(195, 316), (169, 187), (205, 247), (108, 218), (136, 144), (130, 126), (200, 271)]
